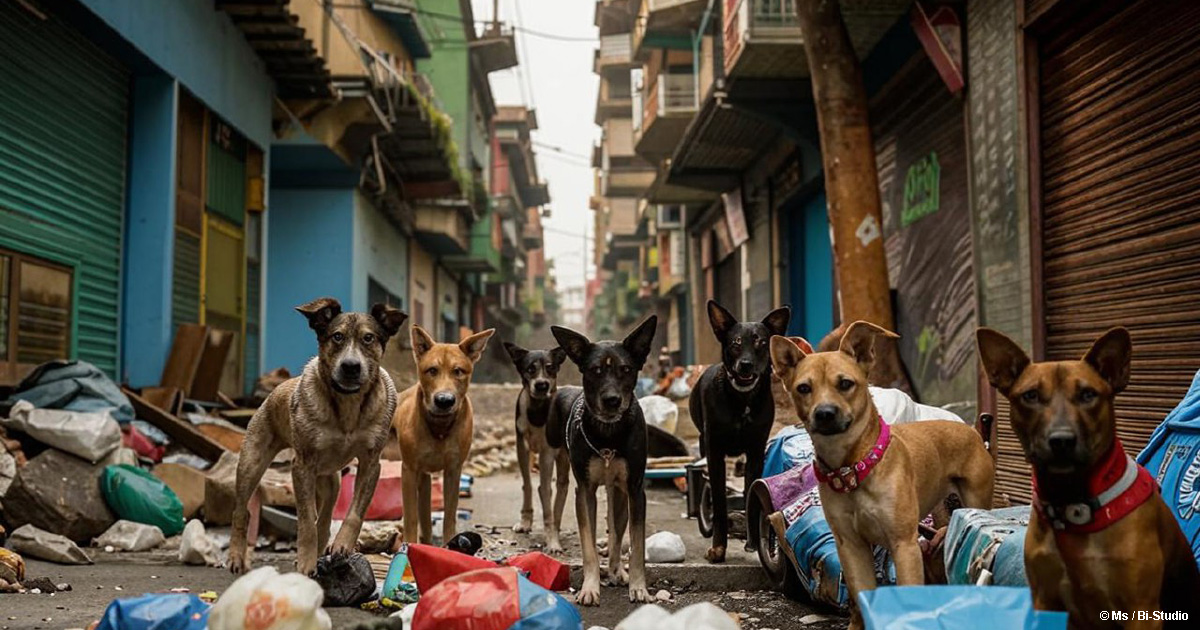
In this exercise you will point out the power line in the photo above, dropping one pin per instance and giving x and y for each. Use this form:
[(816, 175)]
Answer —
[(558, 149)]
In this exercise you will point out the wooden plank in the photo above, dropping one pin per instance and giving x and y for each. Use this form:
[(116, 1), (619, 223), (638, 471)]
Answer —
[(179, 430), (184, 360), (169, 399), (207, 383)]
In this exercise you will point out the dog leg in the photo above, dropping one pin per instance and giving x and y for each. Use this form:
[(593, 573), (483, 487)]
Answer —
[(364, 490), (546, 496), (410, 482), (618, 510), (637, 544), (304, 481), (910, 568), (259, 450), (526, 523), (754, 469), (450, 500), (425, 505), (327, 494), (716, 481), (562, 482), (585, 514), (858, 570)]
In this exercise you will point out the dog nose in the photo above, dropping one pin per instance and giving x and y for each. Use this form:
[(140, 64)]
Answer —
[(351, 369), (611, 402), (825, 414), (1062, 443), (443, 400), (541, 386), (744, 366)]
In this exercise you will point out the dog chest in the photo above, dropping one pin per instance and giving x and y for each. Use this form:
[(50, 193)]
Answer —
[(608, 472)]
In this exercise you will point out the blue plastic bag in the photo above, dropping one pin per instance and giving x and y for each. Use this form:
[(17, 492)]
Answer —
[(156, 611), (955, 608)]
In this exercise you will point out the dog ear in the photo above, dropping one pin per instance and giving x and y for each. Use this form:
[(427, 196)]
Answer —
[(320, 312), (1110, 356), (639, 341), (557, 356), (803, 344), (785, 356), (474, 345), (391, 319), (720, 319), (859, 342), (515, 352), (1003, 360), (421, 341), (777, 320), (574, 344)]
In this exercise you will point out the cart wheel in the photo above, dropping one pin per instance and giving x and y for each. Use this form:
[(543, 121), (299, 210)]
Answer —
[(704, 517), (774, 560)]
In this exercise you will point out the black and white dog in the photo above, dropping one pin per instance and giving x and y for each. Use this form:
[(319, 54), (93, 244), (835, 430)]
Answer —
[(604, 432), (733, 408), (539, 379)]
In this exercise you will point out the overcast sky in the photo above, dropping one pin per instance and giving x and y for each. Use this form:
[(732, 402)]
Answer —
[(555, 77)]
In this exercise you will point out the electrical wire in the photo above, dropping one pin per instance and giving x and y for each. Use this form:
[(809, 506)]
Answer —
[(560, 150)]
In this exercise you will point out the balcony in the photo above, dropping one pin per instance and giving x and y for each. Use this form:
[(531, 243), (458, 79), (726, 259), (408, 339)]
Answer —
[(615, 55), (442, 227), (495, 48), (614, 16), (666, 24), (286, 43), (763, 40), (614, 99), (669, 104)]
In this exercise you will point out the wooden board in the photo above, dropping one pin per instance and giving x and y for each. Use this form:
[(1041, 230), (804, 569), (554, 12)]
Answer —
[(179, 430)]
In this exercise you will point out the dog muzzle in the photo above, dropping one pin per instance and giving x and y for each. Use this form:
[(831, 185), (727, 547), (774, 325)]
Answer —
[(848, 478)]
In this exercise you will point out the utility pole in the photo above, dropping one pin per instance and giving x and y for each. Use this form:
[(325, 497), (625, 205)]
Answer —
[(851, 179)]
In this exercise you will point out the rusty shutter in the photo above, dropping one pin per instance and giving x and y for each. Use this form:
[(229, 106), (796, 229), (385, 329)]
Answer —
[(1120, 126)]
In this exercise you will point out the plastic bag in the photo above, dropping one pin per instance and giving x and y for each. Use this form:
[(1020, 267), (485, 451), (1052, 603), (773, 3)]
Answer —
[(139, 496), (679, 389), (88, 435), (955, 608), (131, 536), (265, 600), (702, 616), (660, 412), (543, 570), (493, 599), (431, 564), (39, 543), (347, 580), (156, 611), (665, 547)]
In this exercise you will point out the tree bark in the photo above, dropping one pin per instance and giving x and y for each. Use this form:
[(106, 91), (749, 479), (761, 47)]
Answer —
[(851, 180)]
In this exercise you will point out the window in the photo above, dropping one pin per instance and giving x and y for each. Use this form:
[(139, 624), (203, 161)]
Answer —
[(378, 294), (35, 313)]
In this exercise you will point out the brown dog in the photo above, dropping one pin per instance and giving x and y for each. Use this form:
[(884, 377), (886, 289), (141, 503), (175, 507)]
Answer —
[(1100, 538), (434, 424), (876, 481), (336, 410)]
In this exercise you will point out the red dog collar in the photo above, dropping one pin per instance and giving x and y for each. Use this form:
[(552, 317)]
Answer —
[(1116, 487), (848, 478)]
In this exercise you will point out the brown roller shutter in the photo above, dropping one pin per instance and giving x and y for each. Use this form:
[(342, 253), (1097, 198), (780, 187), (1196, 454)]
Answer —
[(1120, 130)]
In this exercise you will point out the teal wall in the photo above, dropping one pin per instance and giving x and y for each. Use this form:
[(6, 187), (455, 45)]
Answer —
[(380, 252)]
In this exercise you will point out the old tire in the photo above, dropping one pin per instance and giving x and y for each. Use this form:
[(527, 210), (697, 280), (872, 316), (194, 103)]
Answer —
[(771, 555)]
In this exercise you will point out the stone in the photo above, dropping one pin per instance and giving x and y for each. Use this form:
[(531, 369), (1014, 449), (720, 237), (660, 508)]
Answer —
[(197, 548), (186, 482), (34, 542), (665, 547), (663, 595), (130, 536), (59, 493)]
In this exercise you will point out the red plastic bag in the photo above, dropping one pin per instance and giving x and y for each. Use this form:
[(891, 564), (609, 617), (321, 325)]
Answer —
[(543, 570), (142, 445), (481, 600), (388, 503), (431, 565)]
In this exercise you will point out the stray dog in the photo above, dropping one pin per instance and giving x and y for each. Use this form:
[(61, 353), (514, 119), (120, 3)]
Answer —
[(539, 380), (434, 423), (876, 481), (338, 409), (733, 407), (1100, 538), (604, 432)]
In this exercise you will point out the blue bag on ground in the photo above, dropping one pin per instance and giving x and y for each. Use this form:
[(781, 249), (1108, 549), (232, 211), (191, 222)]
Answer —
[(138, 496), (987, 539), (955, 608), (156, 611), (1173, 457), (74, 386)]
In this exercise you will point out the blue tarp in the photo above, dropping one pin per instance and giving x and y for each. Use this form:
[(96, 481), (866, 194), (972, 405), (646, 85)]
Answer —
[(74, 386), (156, 611), (955, 608), (1173, 457)]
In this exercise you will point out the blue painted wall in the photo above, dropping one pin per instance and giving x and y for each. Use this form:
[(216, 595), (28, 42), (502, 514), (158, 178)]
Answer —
[(811, 272), (198, 45), (309, 255), (146, 332), (380, 252)]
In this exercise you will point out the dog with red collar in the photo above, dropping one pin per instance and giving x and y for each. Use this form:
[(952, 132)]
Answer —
[(876, 481), (1100, 537)]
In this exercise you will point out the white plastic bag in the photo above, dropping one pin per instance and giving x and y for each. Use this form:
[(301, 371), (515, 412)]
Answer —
[(265, 600), (665, 547), (90, 435), (195, 547), (130, 536), (660, 412), (679, 388), (702, 616)]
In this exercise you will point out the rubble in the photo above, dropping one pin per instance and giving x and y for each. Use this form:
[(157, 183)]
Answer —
[(60, 493), (34, 542), (88, 435), (130, 536), (196, 547)]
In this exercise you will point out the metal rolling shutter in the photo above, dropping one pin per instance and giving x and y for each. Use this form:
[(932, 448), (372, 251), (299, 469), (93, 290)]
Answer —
[(63, 128), (1120, 130)]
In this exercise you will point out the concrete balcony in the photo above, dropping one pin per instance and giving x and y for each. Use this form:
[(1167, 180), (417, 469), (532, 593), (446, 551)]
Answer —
[(614, 56), (495, 48), (666, 24), (763, 40), (442, 227), (614, 99), (669, 104)]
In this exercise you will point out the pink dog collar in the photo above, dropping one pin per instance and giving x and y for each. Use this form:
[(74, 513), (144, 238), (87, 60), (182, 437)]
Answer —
[(847, 478)]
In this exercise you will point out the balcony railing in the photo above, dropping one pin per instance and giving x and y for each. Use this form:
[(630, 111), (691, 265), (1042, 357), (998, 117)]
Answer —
[(614, 47), (671, 93), (774, 17), (762, 37)]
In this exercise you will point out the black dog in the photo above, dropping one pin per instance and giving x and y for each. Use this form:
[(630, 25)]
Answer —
[(604, 432), (539, 378), (733, 408)]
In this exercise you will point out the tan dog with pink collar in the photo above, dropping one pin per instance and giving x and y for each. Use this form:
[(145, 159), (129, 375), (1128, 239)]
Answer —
[(876, 481)]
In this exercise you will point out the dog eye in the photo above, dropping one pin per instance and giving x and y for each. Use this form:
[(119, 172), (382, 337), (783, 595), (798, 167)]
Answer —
[(431, 371), (368, 338), (597, 370), (1030, 396), (845, 384), (625, 369), (458, 372), (1087, 395), (762, 343), (338, 337), (737, 342), (532, 369), (804, 388)]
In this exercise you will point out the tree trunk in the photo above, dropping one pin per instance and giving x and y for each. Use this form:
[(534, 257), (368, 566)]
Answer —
[(851, 181)]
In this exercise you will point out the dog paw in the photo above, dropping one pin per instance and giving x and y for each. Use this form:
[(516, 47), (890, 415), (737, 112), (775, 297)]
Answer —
[(340, 548), (588, 597), (524, 527), (751, 547), (715, 555), (239, 563), (618, 576), (554, 548), (306, 566), (639, 595)]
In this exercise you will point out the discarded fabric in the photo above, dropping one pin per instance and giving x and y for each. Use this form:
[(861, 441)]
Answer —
[(74, 386), (979, 540)]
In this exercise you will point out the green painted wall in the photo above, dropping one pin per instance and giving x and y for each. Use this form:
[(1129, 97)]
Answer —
[(448, 68)]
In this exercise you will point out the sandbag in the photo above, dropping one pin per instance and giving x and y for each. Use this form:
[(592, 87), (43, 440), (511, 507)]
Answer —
[(955, 608), (542, 570), (87, 435), (293, 598), (347, 579), (493, 599), (974, 539), (32, 542), (130, 536), (156, 611), (139, 496)]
